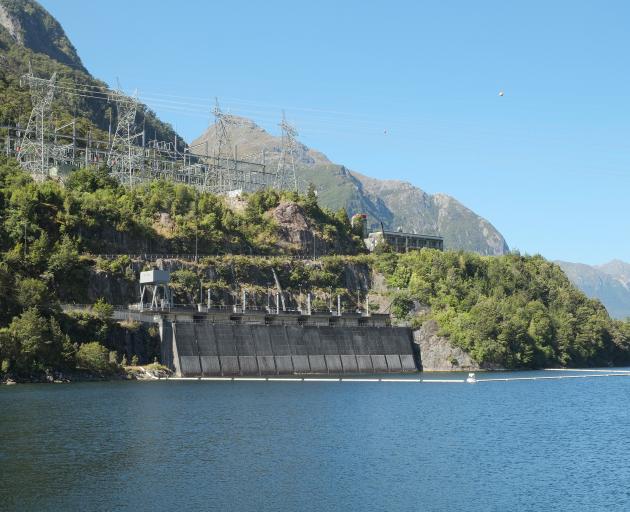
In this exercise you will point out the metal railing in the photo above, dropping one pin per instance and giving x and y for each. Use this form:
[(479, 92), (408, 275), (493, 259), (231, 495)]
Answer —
[(178, 256), (234, 308)]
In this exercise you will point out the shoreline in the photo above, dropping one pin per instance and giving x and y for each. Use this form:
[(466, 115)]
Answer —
[(128, 373), (142, 374)]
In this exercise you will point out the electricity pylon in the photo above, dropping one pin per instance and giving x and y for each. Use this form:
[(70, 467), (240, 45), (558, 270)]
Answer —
[(285, 175), (124, 157), (33, 151), (223, 148)]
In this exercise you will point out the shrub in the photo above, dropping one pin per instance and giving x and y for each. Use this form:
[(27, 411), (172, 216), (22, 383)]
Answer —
[(94, 357), (102, 310)]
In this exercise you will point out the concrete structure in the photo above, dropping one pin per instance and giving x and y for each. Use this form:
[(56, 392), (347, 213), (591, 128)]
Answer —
[(211, 342), (153, 282), (206, 341), (209, 350), (403, 242)]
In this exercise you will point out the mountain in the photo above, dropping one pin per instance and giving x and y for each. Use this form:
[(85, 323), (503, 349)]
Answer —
[(395, 203), (619, 270), (30, 25), (610, 283), (29, 35)]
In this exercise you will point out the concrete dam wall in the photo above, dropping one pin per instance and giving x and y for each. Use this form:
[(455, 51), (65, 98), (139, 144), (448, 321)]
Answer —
[(208, 350)]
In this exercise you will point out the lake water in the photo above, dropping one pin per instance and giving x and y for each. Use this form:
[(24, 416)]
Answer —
[(263, 446)]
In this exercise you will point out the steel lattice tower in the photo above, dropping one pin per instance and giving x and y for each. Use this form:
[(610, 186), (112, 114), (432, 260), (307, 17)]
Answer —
[(223, 148), (124, 157), (33, 151), (285, 175), (45, 151)]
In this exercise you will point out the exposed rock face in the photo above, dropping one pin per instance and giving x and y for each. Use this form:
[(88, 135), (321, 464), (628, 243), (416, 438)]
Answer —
[(10, 25), (114, 289), (294, 231), (297, 234), (395, 203), (437, 354), (619, 270), (30, 25)]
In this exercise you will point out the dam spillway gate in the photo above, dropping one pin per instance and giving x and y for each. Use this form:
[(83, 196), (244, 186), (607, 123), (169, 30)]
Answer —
[(204, 349)]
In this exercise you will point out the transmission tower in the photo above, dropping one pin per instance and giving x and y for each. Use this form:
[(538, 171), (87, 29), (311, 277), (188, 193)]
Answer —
[(286, 178), (223, 148), (124, 157), (33, 151)]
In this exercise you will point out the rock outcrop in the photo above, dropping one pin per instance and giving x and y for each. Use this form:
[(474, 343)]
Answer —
[(437, 354), (294, 230)]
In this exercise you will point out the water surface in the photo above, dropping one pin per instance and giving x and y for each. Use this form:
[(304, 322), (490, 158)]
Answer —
[(263, 446)]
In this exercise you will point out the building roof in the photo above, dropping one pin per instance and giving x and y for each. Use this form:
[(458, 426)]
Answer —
[(409, 235)]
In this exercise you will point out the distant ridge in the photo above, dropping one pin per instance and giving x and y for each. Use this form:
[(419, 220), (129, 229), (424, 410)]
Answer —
[(610, 283), (395, 203)]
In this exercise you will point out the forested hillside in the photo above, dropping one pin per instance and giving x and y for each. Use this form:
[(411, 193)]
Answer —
[(511, 311), (51, 234)]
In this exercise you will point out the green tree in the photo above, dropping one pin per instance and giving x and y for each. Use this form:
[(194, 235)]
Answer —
[(40, 346), (102, 310), (94, 357), (34, 293)]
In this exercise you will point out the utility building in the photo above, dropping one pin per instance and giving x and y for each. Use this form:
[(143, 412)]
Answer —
[(403, 242), (154, 285)]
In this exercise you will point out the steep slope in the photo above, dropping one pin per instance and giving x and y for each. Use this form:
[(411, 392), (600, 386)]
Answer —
[(29, 34), (31, 26), (610, 283), (395, 203)]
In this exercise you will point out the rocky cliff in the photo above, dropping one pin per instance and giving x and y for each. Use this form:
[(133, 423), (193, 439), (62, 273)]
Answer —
[(31, 26)]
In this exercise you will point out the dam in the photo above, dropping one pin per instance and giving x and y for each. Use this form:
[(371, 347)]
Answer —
[(220, 349), (240, 340)]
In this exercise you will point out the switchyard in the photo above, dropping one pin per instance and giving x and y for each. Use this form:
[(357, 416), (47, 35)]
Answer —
[(48, 150)]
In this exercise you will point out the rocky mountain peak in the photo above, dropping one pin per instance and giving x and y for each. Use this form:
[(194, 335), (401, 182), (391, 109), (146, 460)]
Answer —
[(28, 24)]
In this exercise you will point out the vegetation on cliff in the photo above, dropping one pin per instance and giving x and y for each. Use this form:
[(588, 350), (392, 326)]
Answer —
[(512, 311), (49, 234)]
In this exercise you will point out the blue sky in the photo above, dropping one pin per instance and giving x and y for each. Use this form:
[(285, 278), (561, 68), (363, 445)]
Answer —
[(548, 163)]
